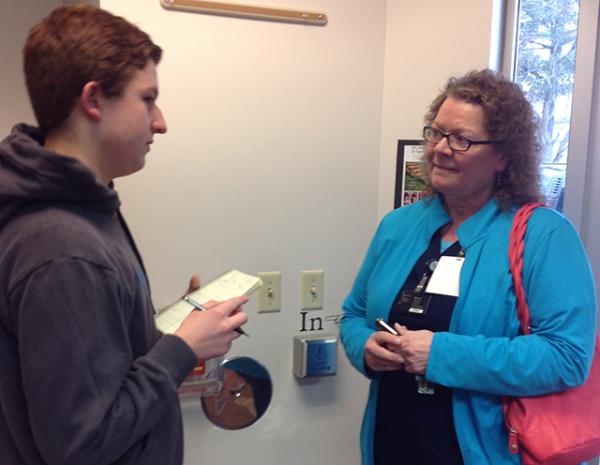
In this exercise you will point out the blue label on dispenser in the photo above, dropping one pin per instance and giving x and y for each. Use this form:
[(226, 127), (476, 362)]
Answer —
[(321, 357)]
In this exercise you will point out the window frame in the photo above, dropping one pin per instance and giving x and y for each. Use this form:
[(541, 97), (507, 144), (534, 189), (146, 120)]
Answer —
[(580, 132)]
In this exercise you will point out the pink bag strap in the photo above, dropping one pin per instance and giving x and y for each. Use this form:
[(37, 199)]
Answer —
[(515, 256)]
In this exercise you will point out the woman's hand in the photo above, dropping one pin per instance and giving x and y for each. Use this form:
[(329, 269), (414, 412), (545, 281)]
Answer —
[(414, 348), (377, 355)]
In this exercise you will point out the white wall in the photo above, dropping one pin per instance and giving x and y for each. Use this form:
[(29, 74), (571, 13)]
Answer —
[(270, 163)]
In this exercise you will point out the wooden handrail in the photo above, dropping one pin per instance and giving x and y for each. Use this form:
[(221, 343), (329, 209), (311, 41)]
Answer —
[(247, 11)]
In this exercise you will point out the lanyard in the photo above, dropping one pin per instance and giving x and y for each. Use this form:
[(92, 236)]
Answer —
[(416, 301)]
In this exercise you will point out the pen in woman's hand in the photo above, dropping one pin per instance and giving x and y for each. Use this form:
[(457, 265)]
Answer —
[(202, 308)]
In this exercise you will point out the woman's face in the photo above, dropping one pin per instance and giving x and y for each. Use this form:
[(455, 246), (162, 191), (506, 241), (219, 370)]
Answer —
[(466, 175)]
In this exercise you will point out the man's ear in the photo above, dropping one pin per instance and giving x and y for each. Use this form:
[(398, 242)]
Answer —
[(91, 96)]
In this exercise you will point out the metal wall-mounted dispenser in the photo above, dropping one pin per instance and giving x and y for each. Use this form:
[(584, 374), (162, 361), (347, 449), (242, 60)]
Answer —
[(315, 355)]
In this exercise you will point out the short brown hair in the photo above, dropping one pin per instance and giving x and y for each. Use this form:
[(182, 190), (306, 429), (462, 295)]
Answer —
[(508, 118), (77, 44)]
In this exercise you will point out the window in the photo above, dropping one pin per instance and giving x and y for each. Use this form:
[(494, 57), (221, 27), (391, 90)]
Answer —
[(544, 65)]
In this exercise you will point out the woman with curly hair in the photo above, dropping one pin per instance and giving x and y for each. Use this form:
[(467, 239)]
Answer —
[(437, 272)]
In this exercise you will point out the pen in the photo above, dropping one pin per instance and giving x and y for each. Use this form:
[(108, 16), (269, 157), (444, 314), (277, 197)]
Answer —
[(383, 325), (202, 308)]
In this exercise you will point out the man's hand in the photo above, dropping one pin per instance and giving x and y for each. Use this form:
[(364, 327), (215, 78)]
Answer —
[(194, 284), (210, 333)]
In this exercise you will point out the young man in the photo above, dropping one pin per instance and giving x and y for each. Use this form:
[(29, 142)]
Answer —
[(84, 376)]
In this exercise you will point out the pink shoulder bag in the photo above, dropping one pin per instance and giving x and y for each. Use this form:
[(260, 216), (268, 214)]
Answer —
[(562, 428)]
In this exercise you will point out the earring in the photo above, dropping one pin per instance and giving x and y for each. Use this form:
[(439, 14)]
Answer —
[(498, 180)]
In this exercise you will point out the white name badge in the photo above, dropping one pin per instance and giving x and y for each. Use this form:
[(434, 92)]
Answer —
[(445, 280)]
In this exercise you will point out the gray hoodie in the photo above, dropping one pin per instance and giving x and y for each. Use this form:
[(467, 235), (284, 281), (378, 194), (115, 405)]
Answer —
[(84, 377)]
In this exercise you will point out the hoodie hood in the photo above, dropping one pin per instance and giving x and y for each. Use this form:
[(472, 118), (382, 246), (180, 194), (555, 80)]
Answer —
[(31, 173)]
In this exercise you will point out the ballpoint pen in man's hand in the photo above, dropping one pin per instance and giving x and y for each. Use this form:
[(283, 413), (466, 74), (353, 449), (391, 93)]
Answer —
[(202, 308)]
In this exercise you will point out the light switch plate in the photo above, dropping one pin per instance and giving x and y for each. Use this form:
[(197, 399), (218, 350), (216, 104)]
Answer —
[(312, 284), (269, 295)]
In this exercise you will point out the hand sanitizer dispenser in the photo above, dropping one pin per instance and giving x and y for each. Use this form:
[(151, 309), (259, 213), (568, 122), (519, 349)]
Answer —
[(315, 355)]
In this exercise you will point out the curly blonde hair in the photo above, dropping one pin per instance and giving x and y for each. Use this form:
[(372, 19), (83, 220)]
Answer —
[(509, 118)]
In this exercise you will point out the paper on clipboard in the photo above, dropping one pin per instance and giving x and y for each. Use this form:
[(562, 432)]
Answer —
[(230, 284)]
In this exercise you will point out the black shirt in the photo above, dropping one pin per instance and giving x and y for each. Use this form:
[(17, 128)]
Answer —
[(413, 428)]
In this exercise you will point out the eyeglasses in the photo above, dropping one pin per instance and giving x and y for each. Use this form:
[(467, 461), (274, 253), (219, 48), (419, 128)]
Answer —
[(455, 141)]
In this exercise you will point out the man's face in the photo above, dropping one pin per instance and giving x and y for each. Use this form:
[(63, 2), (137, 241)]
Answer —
[(129, 123)]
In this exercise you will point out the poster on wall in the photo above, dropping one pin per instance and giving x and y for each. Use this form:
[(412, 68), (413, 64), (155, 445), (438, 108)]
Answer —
[(410, 186)]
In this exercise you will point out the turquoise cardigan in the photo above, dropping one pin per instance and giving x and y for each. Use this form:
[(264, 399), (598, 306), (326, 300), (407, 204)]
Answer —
[(482, 357)]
